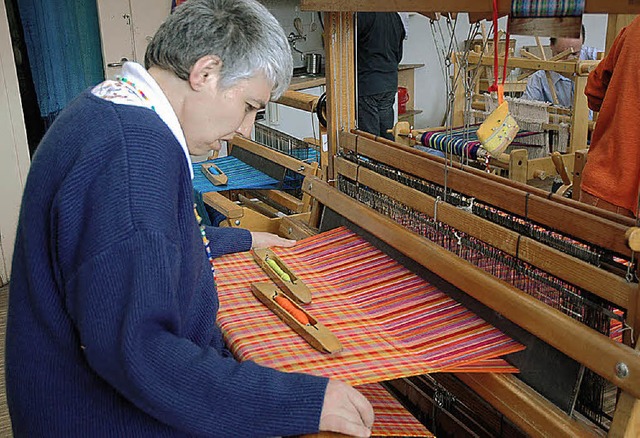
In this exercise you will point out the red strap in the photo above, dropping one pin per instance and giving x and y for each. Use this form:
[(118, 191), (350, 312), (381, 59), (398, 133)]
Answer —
[(506, 54), (494, 86)]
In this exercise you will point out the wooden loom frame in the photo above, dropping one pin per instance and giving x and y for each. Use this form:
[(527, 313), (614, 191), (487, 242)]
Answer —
[(514, 399), (517, 163), (258, 216), (520, 167)]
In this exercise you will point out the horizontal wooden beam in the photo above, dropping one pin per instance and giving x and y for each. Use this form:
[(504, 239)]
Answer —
[(601, 283), (277, 157), (298, 100), (531, 412), (499, 192), (472, 6), (567, 67)]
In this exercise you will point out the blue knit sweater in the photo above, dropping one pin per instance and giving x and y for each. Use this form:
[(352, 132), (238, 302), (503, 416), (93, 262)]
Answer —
[(112, 306)]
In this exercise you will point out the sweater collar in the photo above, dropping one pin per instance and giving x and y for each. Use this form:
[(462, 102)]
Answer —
[(135, 86)]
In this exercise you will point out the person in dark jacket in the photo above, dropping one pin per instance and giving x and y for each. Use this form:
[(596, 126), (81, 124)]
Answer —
[(380, 37)]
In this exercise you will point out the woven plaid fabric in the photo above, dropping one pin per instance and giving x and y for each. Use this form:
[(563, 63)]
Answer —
[(546, 8), (390, 322), (392, 419)]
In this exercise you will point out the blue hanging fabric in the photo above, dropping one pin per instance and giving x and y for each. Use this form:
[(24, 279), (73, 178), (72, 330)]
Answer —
[(65, 55)]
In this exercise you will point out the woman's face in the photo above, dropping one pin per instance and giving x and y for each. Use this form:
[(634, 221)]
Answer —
[(215, 114)]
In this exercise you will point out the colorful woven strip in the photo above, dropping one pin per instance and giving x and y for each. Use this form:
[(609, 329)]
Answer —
[(390, 322), (392, 419), (460, 141), (546, 8)]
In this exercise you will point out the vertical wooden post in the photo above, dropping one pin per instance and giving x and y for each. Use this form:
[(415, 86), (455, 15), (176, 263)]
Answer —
[(578, 164), (341, 80), (626, 419), (580, 117), (519, 165), (459, 99), (615, 23)]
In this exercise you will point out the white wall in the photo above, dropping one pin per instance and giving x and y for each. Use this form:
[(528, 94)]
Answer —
[(420, 48), (286, 11), (14, 152)]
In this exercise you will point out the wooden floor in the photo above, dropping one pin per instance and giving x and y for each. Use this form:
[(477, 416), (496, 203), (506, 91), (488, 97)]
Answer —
[(5, 423)]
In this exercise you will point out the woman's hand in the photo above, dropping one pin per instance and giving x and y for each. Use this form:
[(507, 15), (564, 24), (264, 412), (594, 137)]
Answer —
[(346, 411), (261, 239)]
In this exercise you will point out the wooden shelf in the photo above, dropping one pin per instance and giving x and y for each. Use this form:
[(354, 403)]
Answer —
[(408, 114), (406, 73), (409, 66)]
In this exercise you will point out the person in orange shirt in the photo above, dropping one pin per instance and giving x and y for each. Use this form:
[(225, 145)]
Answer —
[(611, 177)]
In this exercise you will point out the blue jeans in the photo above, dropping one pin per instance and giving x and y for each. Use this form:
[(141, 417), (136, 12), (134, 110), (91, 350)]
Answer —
[(375, 113)]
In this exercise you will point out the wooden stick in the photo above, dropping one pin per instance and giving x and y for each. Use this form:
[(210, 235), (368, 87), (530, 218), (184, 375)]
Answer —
[(558, 162), (552, 87)]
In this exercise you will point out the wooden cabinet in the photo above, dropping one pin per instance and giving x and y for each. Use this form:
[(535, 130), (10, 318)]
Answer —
[(126, 27)]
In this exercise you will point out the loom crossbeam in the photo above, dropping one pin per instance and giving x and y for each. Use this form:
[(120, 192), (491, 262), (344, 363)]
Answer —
[(470, 6), (495, 192)]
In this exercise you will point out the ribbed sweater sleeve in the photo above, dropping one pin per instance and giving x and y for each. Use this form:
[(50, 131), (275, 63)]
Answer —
[(599, 78), (227, 240), (129, 321)]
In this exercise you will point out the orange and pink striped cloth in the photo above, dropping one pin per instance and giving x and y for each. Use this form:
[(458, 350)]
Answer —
[(391, 322)]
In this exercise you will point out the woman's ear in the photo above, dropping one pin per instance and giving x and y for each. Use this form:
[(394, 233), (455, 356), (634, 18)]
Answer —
[(205, 70)]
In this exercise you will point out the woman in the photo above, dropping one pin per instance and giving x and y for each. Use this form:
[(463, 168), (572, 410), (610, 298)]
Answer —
[(111, 327)]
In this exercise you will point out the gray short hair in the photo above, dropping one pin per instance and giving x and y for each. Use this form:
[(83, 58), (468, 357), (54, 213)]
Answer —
[(243, 33)]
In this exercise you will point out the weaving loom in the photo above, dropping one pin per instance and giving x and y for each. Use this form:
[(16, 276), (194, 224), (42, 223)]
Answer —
[(544, 243), (272, 171), (548, 128), (465, 239)]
